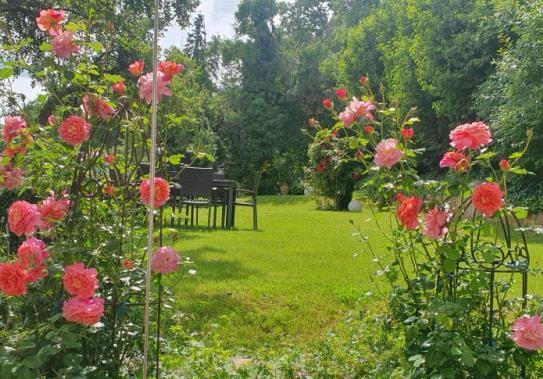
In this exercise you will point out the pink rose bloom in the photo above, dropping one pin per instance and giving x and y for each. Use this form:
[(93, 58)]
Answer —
[(347, 117), (23, 217), (487, 198), (11, 177), (13, 279), (362, 108), (341, 93), (473, 136), (50, 21), (145, 84), (51, 211), (12, 127), (165, 260), (136, 68), (162, 192), (94, 106), (83, 311), (387, 153), (169, 69), (455, 160), (32, 255), (119, 88), (64, 45), (528, 332), (80, 281), (74, 130), (435, 223), (52, 120), (408, 210)]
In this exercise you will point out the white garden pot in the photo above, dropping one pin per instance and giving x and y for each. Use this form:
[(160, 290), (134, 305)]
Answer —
[(355, 206)]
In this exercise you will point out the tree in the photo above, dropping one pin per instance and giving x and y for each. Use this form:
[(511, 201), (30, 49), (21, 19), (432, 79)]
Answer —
[(196, 40)]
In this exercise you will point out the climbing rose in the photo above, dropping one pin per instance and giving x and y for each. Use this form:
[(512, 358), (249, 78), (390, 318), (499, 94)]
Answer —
[(473, 136), (64, 45), (52, 120), (145, 84), (52, 210), (347, 117), (12, 177), (327, 103), (368, 129), (119, 88), (169, 69), (162, 192), (94, 106), (80, 281), (83, 311), (455, 160), (32, 255), (11, 152), (165, 260), (362, 108), (23, 217), (13, 279), (528, 332), (13, 125), (109, 190), (136, 68), (74, 130), (128, 264), (407, 133), (505, 165), (487, 198), (435, 223), (109, 158), (341, 93), (408, 210), (50, 21), (387, 153)]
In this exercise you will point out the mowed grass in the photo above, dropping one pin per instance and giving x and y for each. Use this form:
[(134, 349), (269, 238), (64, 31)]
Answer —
[(287, 283)]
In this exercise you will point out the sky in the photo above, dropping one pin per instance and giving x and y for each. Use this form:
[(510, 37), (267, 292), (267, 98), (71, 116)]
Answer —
[(219, 18)]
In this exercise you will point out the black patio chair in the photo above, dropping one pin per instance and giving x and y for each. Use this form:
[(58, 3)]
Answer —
[(252, 195), (195, 192)]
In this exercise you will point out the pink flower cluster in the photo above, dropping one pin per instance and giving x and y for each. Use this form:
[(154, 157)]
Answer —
[(528, 332), (165, 260), (51, 211), (387, 153), (80, 282), (62, 41), (94, 106), (25, 218), (74, 130), (355, 110), (166, 71)]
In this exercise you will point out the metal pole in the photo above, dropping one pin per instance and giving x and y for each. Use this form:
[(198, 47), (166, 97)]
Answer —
[(150, 220)]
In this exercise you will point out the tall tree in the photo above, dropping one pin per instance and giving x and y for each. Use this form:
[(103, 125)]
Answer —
[(196, 40)]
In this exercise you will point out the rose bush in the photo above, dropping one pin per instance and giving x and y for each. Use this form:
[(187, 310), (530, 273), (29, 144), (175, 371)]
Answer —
[(449, 295), (72, 272)]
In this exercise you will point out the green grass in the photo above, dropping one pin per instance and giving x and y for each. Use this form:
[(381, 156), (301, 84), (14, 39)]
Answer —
[(285, 284)]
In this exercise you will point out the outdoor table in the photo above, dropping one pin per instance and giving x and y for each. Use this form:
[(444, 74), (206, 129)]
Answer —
[(230, 187)]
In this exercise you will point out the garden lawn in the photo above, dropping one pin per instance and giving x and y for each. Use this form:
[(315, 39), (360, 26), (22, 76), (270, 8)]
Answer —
[(287, 283)]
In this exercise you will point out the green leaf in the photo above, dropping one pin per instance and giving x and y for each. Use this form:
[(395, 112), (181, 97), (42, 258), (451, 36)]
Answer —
[(96, 46), (6, 72), (175, 159), (520, 171), (32, 361), (520, 212), (113, 78), (488, 155), (516, 155), (46, 46)]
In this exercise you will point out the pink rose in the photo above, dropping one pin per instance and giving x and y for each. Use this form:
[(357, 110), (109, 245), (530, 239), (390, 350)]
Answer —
[(341, 93), (80, 281), (473, 136), (435, 223), (52, 120), (407, 211), (455, 160), (64, 45), (74, 130), (23, 217), (169, 69), (13, 279), (136, 68), (362, 108), (487, 198), (50, 21), (145, 84), (51, 211), (13, 125), (528, 332), (165, 260), (162, 192), (347, 117), (387, 153), (83, 311), (11, 177), (32, 255), (94, 106), (327, 103), (119, 88)]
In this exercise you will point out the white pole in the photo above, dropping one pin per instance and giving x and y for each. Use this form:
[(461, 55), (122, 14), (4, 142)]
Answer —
[(150, 221)]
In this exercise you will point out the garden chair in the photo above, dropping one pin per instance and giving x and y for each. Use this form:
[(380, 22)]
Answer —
[(252, 195)]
